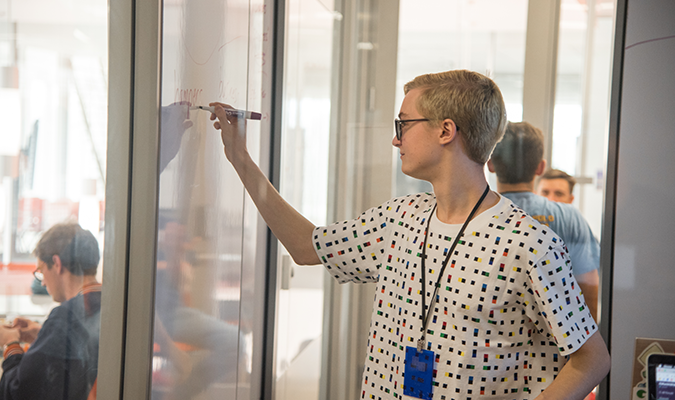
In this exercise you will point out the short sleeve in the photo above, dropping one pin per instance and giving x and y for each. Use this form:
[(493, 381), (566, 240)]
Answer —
[(555, 303), (352, 250), (583, 247)]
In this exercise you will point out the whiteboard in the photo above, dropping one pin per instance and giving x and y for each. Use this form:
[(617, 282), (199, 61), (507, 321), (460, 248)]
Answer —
[(210, 277)]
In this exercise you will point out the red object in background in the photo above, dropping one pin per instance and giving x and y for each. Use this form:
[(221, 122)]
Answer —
[(101, 215), (16, 278), (30, 214), (14, 266)]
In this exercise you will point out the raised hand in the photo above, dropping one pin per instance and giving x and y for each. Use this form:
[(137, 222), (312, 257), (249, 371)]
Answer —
[(232, 131)]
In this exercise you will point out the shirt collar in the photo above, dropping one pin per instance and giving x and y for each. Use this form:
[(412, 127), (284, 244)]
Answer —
[(89, 288)]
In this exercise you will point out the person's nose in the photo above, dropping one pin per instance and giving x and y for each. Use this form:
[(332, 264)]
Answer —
[(395, 142)]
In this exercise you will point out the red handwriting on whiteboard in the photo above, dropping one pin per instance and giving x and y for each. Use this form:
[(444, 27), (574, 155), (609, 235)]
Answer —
[(190, 95)]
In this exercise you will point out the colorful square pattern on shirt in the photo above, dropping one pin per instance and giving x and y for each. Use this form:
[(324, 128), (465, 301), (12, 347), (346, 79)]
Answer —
[(508, 311)]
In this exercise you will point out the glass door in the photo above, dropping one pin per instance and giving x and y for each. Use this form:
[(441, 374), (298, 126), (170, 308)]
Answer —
[(53, 97)]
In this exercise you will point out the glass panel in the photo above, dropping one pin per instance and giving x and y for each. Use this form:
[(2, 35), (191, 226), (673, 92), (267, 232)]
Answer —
[(582, 101), (208, 319), (581, 113), (569, 93), (485, 36), (304, 184), (53, 93)]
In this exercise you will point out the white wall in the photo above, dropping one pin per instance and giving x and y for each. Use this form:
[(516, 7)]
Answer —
[(643, 276)]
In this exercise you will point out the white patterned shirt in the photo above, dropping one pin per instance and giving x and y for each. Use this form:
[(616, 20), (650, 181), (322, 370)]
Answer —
[(508, 310)]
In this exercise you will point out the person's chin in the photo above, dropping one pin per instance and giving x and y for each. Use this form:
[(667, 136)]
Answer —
[(406, 171), (410, 173)]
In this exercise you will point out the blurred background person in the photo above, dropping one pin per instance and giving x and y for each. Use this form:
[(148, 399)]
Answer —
[(517, 160), (200, 347), (557, 185), (62, 361)]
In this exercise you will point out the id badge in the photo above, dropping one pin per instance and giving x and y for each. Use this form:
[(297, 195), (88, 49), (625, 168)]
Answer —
[(419, 369)]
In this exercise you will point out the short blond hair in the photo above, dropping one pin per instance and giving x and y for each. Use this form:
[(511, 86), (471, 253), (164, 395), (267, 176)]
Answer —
[(473, 101)]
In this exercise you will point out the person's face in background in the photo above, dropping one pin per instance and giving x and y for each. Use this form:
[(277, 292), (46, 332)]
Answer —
[(52, 280), (555, 190), (47, 275)]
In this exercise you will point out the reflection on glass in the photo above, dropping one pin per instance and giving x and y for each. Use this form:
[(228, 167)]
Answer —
[(204, 312), (486, 37), (53, 96), (181, 330), (582, 102)]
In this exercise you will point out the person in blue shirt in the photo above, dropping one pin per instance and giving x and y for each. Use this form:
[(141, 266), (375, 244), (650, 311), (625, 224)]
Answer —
[(517, 160)]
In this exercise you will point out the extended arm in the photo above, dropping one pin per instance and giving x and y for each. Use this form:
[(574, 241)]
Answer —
[(288, 225), (583, 371), (180, 359), (584, 252)]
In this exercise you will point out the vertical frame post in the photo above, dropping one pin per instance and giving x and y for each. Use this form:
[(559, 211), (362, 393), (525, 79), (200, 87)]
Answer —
[(541, 62)]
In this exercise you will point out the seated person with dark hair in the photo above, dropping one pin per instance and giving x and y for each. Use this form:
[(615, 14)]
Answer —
[(62, 361), (516, 160), (557, 185)]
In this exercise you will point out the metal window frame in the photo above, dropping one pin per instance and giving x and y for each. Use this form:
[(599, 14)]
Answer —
[(135, 56), (541, 65), (268, 381), (125, 351), (609, 212)]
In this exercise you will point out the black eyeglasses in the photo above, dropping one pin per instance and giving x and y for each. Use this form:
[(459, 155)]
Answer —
[(38, 275), (398, 123)]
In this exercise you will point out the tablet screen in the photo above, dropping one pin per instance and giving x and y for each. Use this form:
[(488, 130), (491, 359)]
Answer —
[(661, 377), (665, 382)]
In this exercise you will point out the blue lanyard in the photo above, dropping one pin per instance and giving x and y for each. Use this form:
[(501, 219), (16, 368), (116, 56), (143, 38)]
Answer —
[(425, 319)]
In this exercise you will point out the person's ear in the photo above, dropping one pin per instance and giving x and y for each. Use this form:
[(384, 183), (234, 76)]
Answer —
[(448, 131), (490, 166), (540, 168), (56, 263), (571, 198)]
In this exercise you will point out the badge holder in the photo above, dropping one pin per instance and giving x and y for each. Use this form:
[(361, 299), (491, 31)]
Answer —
[(419, 363), (419, 370)]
